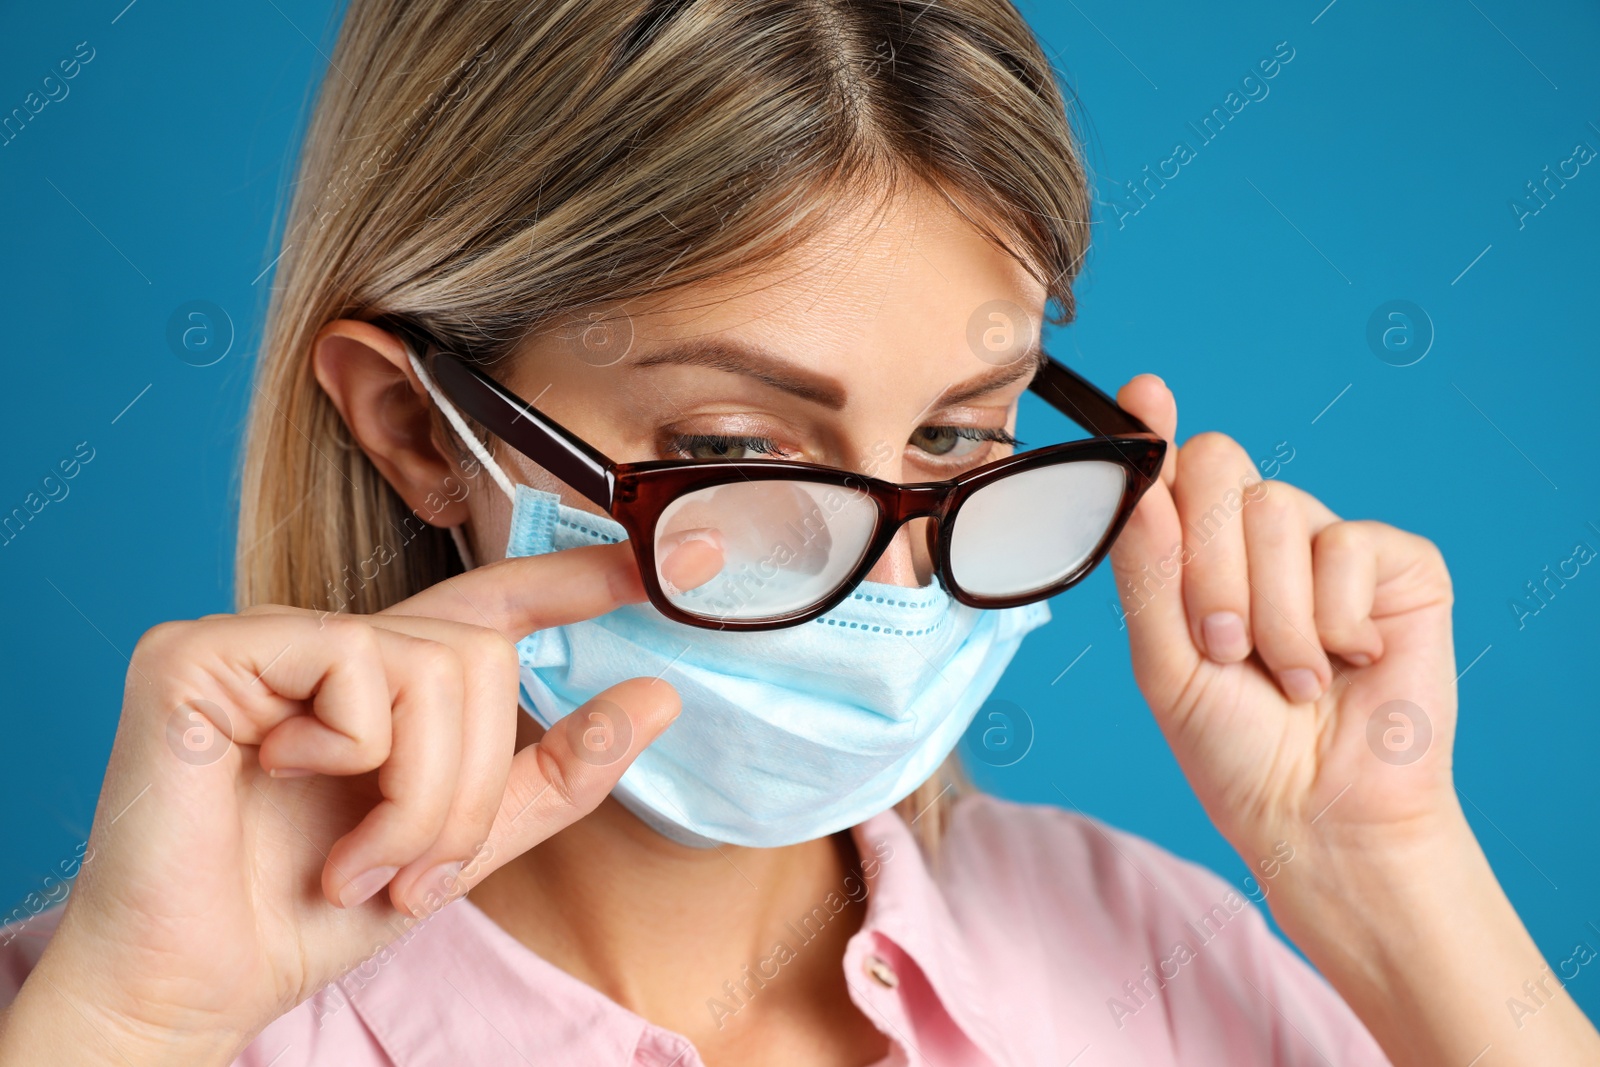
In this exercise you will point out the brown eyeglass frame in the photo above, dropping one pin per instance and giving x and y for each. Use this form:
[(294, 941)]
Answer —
[(635, 494)]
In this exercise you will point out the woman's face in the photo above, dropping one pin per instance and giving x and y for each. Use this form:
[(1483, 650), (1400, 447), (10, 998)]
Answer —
[(856, 352)]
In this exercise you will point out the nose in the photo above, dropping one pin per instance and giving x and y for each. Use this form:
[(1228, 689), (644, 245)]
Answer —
[(906, 561)]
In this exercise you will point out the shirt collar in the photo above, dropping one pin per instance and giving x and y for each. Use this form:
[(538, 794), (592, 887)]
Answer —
[(907, 907), (457, 983), (459, 987)]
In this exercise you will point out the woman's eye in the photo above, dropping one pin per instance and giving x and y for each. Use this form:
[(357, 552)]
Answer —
[(957, 442), (722, 446)]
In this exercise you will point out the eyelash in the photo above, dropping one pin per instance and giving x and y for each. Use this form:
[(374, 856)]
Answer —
[(980, 433), (684, 443)]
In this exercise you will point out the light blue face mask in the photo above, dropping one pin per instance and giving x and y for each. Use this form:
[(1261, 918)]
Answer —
[(785, 735)]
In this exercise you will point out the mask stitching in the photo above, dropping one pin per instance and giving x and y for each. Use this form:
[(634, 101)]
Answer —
[(584, 529), (880, 629), (872, 599)]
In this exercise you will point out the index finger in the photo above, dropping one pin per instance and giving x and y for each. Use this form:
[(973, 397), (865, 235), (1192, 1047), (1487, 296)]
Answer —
[(564, 775), (521, 594)]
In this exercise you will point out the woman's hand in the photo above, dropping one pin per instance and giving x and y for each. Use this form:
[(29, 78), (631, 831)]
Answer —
[(283, 780), (1301, 667)]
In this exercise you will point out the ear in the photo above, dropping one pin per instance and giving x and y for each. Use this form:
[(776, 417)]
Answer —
[(365, 372)]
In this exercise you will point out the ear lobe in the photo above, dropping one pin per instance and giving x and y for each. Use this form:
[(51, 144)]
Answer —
[(366, 373)]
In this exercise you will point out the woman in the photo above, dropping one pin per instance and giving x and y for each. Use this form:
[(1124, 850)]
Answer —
[(720, 238)]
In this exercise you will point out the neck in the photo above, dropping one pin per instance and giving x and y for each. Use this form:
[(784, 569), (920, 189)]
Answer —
[(684, 937)]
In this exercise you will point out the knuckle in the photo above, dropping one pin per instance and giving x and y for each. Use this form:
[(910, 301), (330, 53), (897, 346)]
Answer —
[(370, 735), (1431, 553), (358, 639), (492, 652), (349, 632), (371, 743), (1434, 565), (162, 640), (557, 777), (1341, 538), (434, 661), (1273, 506), (1211, 446), (274, 609)]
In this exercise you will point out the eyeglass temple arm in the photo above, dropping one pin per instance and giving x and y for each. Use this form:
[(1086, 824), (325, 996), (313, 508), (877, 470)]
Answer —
[(534, 434), (1078, 398)]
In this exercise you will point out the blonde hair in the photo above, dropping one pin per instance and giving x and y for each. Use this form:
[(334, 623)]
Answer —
[(482, 169)]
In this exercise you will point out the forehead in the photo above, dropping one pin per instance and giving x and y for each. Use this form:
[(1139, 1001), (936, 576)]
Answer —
[(909, 273)]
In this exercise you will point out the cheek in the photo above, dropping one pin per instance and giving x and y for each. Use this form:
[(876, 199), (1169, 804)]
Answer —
[(489, 524)]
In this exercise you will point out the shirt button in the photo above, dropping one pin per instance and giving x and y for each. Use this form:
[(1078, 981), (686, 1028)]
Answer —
[(882, 973)]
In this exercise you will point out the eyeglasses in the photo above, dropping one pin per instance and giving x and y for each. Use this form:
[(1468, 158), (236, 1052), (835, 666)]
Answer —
[(798, 537)]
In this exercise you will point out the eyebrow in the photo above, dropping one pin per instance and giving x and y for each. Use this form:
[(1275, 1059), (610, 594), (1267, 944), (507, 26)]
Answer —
[(1024, 366), (754, 361)]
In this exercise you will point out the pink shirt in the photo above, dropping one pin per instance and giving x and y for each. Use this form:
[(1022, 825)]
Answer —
[(1043, 938)]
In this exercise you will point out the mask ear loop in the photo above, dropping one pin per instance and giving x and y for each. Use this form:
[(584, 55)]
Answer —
[(479, 453)]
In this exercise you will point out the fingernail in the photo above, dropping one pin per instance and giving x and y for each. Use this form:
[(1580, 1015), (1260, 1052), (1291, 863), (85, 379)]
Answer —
[(289, 772), (710, 537), (1301, 684), (434, 889), (1358, 659), (1224, 636), (359, 889)]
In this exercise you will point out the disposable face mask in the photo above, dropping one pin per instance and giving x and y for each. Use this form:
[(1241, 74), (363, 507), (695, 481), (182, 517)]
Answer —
[(785, 735)]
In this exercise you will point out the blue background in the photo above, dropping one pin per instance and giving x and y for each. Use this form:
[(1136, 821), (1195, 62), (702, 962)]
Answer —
[(1380, 166)]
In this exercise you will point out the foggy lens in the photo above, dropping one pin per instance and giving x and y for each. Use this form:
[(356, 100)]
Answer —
[(1029, 530), (787, 545)]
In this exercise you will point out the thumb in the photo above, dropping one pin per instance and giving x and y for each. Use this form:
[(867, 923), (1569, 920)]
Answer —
[(567, 772), (1147, 560), (1147, 398)]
